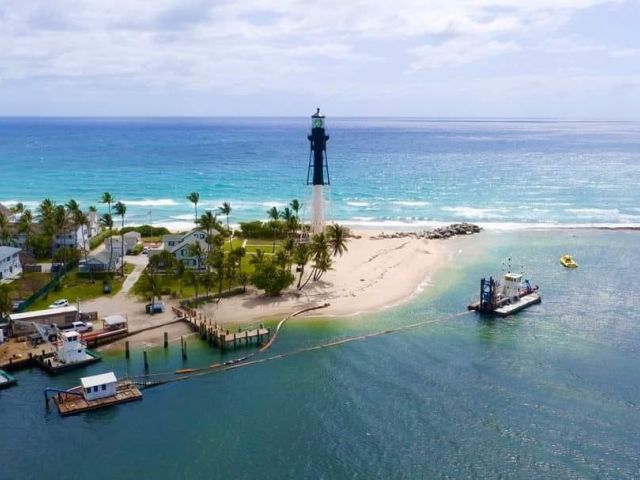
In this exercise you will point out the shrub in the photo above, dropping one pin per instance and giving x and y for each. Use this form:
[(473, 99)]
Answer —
[(137, 250), (258, 229), (271, 278)]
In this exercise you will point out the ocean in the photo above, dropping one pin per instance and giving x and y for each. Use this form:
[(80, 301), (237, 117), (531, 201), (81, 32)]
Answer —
[(552, 392), (389, 173)]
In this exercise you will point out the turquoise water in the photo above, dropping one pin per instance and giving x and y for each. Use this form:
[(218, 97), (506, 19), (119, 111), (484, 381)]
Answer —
[(384, 172), (551, 393)]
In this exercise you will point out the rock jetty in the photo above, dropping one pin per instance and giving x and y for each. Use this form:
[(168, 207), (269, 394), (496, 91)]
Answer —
[(436, 233)]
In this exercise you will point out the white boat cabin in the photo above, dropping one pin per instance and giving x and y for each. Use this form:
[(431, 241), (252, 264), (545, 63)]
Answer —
[(512, 284), (99, 386), (70, 348)]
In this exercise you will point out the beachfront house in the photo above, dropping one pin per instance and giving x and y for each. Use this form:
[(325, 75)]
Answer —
[(178, 246), (101, 262), (10, 266)]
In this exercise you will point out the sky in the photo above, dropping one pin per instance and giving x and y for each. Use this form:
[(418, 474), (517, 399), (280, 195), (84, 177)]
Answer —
[(577, 59)]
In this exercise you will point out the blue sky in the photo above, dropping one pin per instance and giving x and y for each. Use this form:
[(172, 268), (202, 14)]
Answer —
[(473, 58)]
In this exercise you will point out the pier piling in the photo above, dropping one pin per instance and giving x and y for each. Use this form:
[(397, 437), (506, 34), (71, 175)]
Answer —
[(146, 361), (126, 349), (166, 339)]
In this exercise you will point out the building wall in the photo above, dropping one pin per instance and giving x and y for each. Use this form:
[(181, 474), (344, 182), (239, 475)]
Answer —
[(10, 266), (100, 391)]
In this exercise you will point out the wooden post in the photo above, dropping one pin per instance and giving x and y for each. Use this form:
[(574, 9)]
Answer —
[(126, 349), (146, 362), (184, 351), (166, 339)]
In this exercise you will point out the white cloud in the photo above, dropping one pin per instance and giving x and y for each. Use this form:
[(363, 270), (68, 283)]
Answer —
[(251, 46)]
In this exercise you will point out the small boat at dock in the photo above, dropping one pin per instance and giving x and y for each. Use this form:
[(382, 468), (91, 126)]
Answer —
[(568, 262), (507, 298)]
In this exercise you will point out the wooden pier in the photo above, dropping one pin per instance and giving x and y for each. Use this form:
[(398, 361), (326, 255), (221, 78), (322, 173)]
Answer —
[(72, 402), (218, 336)]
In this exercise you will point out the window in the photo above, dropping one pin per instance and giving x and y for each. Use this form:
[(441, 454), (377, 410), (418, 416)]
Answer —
[(104, 387), (87, 390), (95, 389), (171, 244)]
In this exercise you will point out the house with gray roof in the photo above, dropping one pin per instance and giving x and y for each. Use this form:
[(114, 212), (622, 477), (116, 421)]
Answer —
[(10, 266)]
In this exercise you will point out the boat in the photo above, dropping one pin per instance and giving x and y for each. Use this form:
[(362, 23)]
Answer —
[(568, 262), (97, 391), (507, 298), (7, 380)]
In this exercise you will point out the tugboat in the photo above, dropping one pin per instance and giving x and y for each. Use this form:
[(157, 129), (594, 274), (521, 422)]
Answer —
[(507, 298)]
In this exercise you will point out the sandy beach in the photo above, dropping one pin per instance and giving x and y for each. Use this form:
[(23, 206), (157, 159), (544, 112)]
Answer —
[(374, 274)]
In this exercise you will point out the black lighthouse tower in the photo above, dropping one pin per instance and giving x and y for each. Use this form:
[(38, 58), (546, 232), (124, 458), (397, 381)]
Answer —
[(318, 171)]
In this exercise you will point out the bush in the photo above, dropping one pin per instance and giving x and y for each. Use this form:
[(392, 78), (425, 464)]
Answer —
[(258, 229), (98, 239), (146, 230), (271, 278), (137, 250)]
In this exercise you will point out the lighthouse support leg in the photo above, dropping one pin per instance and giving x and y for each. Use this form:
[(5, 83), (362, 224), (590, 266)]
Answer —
[(317, 202)]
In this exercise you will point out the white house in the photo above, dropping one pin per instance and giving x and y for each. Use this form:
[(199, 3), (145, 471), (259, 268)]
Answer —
[(178, 245), (99, 386), (10, 266)]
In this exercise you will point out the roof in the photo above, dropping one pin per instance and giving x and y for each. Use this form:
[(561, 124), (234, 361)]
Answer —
[(8, 251), (114, 320), (132, 234), (95, 380), (5, 211), (43, 313), (71, 333)]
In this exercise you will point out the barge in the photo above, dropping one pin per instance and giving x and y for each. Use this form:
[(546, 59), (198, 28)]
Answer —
[(97, 391), (510, 297)]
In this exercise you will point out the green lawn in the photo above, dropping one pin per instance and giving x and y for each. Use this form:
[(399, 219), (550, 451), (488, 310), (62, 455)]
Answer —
[(74, 287)]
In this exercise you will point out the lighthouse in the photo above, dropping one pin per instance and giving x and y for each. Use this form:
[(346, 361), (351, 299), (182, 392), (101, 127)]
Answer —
[(318, 171)]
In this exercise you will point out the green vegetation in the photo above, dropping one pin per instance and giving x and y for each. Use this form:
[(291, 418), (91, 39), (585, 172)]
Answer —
[(74, 286), (146, 231), (97, 240)]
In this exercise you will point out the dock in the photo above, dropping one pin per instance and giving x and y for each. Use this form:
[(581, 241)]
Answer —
[(72, 401), (216, 335)]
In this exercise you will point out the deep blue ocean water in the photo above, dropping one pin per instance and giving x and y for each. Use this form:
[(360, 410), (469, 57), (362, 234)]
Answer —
[(385, 172)]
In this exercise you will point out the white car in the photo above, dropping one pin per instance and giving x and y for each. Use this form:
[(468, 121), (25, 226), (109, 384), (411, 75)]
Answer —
[(63, 302)]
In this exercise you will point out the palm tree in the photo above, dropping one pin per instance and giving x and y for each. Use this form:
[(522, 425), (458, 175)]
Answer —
[(121, 210), (18, 208), (108, 199), (192, 278), (61, 223), (195, 250), (301, 256), (289, 218), (149, 286), (225, 209), (5, 233), (208, 221), (295, 206), (319, 251), (258, 258), (93, 208), (338, 237), (45, 216), (216, 260), (106, 221), (194, 197), (25, 226), (273, 217), (72, 206)]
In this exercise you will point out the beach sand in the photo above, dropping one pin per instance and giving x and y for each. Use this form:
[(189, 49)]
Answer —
[(372, 275)]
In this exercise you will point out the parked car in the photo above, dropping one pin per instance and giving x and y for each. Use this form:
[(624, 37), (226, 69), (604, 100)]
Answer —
[(157, 307), (145, 251), (80, 327), (62, 302)]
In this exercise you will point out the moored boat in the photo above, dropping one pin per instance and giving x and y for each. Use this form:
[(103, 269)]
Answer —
[(506, 298), (568, 262), (7, 380)]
